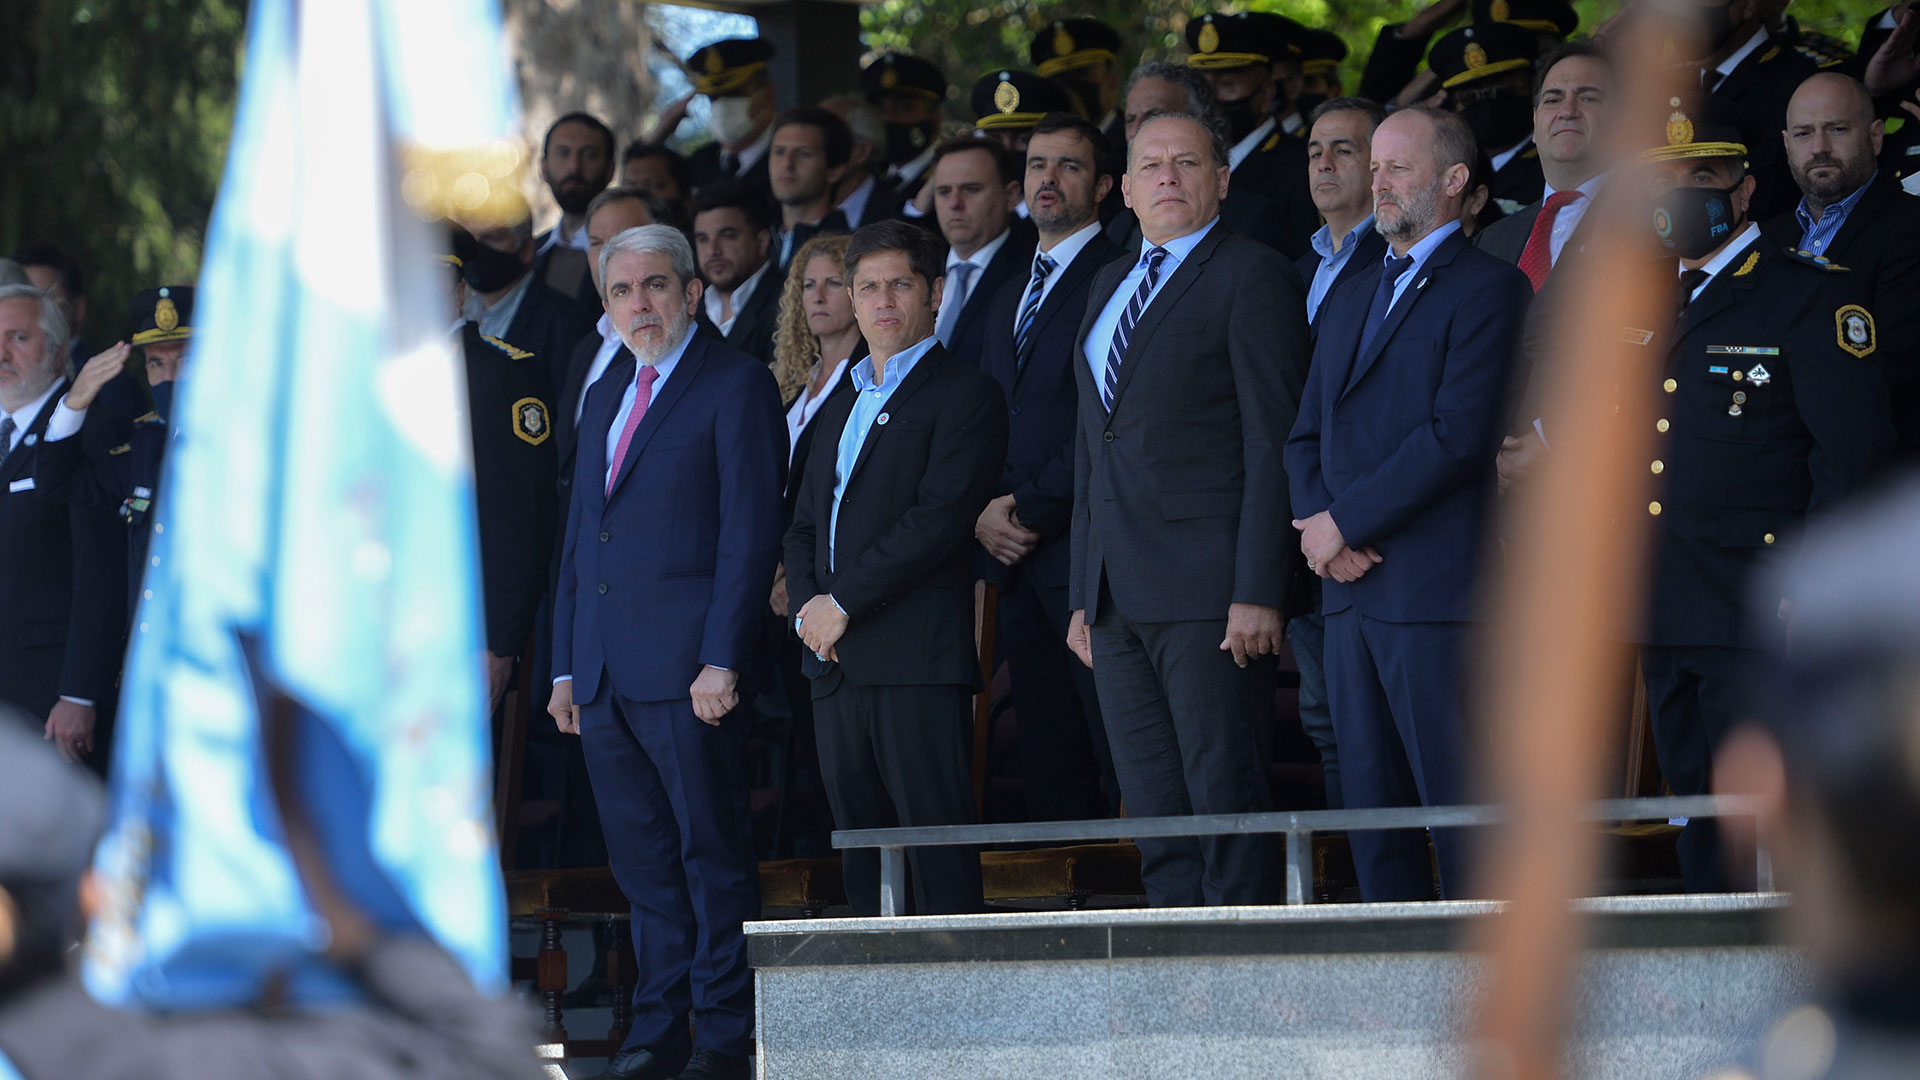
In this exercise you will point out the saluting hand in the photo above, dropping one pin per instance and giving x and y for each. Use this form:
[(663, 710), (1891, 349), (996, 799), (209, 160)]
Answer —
[(714, 694), (1253, 630), (97, 373)]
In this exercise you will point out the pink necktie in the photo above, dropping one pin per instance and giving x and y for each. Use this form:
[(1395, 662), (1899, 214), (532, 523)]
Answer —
[(641, 397)]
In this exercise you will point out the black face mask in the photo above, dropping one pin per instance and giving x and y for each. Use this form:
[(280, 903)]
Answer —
[(1500, 122), (907, 141), (1240, 118), (163, 399), (487, 269), (1692, 221), (1306, 103)]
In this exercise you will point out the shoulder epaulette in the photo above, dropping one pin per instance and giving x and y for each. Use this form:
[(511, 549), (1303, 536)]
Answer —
[(149, 418), (1272, 141), (1819, 262), (514, 352), (1530, 152), (1769, 56)]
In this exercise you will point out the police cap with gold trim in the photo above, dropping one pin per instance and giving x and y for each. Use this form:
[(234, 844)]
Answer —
[(902, 73), (162, 314), (1482, 51), (1321, 52), (1223, 42), (1555, 17), (1010, 100), (1071, 44), (1692, 131), (727, 66)]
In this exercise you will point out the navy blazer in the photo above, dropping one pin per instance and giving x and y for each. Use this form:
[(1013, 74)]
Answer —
[(1013, 262), (1043, 399), (1399, 441), (670, 572)]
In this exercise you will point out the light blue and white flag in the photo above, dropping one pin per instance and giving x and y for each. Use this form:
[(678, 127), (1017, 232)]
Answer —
[(319, 505)]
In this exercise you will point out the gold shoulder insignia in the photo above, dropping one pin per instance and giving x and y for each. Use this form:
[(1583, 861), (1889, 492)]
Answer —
[(1853, 329), (1746, 268), (123, 448), (1768, 56), (1529, 153), (1272, 141), (530, 420), (148, 418), (514, 352)]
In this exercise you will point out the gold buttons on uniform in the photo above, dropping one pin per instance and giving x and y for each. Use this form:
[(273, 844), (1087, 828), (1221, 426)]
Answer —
[(1653, 508), (1659, 467), (1767, 538), (1738, 375), (1670, 386), (1661, 427)]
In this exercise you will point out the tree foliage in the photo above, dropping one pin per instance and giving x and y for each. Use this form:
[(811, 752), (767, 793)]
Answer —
[(114, 117)]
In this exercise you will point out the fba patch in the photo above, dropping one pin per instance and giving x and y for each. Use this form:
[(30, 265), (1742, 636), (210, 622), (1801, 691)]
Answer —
[(530, 420), (1853, 328)]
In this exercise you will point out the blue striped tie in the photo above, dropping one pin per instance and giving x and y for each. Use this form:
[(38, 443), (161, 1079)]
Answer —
[(1030, 312), (1135, 307)]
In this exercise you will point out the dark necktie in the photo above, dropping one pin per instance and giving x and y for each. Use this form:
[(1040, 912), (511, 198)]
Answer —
[(1383, 297), (7, 427), (1117, 350), (729, 163), (1689, 281), (1030, 311)]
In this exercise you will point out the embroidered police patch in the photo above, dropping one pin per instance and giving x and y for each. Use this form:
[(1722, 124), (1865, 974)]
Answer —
[(530, 420), (1853, 328)]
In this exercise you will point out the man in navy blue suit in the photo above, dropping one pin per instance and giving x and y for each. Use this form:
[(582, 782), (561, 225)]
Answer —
[(1390, 467), (672, 536)]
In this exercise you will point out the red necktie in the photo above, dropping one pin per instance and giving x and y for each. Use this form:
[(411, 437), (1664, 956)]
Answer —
[(1537, 258), (641, 397)]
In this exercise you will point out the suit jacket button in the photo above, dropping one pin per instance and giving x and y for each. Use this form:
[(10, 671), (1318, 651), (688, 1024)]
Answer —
[(604, 537), (603, 588), (1015, 411), (1106, 436), (566, 481)]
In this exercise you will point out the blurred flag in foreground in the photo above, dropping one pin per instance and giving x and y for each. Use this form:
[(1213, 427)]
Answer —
[(318, 507)]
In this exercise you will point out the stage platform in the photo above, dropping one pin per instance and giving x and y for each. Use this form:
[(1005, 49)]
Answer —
[(1671, 987)]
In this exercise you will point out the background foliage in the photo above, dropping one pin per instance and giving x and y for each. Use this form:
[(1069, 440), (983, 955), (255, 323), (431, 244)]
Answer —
[(114, 114)]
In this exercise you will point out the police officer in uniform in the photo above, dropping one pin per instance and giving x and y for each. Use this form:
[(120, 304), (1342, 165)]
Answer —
[(1772, 406), (1008, 103), (1236, 53), (733, 76), (1083, 55), (908, 91), (1751, 76), (1487, 72)]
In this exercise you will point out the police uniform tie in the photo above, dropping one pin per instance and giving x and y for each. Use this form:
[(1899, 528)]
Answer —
[(1689, 281), (642, 396), (1029, 312), (1537, 257), (957, 277), (1117, 349), (1383, 297)]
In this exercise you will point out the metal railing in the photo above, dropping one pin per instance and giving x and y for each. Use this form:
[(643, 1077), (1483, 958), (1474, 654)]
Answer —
[(1298, 827)]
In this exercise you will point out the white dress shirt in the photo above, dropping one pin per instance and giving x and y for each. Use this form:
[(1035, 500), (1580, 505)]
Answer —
[(1734, 249), (854, 206), (1569, 217), (1500, 159), (957, 298), (1062, 255), (738, 300), (602, 359)]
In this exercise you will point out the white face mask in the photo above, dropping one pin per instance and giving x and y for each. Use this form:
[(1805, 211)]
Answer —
[(732, 119)]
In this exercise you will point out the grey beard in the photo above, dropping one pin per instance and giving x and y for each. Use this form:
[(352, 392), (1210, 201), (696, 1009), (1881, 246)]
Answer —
[(677, 328)]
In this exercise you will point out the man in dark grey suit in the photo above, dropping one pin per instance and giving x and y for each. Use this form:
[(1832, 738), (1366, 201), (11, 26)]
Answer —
[(1192, 360)]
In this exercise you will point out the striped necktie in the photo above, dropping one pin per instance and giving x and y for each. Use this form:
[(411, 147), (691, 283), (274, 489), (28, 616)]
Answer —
[(1117, 351), (1029, 312), (7, 428)]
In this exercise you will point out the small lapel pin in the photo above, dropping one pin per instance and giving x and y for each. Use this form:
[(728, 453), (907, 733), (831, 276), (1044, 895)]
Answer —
[(32, 439), (883, 419), (1759, 376), (1421, 284)]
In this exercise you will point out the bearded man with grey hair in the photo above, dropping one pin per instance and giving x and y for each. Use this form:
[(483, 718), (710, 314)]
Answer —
[(1390, 470), (62, 567), (672, 536)]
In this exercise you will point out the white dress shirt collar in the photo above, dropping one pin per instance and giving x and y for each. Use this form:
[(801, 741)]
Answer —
[(737, 300), (559, 237), (980, 258), (1244, 149), (1726, 67), (1500, 159), (749, 155), (1734, 249), (24, 416), (854, 206)]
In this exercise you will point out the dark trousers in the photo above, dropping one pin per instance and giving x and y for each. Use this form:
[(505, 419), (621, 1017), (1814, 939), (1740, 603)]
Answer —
[(1180, 721), (1394, 689), (1693, 700), (1062, 753), (899, 755), (1307, 634), (672, 794)]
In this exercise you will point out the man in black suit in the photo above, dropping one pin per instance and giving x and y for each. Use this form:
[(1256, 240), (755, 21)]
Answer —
[(576, 162), (1390, 468), (735, 247), (1161, 87), (1032, 324), (976, 185), (510, 302), (1190, 360), (1859, 217), (1237, 54), (733, 76), (908, 91), (880, 570), (863, 196), (62, 565), (812, 148)]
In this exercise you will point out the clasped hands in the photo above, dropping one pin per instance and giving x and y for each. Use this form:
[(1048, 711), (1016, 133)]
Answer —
[(1327, 552), (821, 624)]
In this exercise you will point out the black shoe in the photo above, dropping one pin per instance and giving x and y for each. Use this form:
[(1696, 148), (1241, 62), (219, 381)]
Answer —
[(713, 1065), (641, 1063)]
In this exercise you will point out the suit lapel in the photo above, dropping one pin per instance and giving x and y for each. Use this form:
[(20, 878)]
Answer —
[(1862, 216), (1719, 293), (687, 370), (915, 379), (1164, 301), (1409, 298), (16, 464), (1072, 283)]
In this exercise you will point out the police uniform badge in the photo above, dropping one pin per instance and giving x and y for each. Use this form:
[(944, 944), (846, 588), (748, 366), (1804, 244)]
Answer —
[(165, 316), (1006, 96), (530, 421), (1062, 40), (1475, 56), (1209, 37), (1853, 328), (1679, 127), (1499, 10), (889, 79)]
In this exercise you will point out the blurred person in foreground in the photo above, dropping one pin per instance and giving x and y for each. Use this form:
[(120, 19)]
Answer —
[(1832, 752)]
